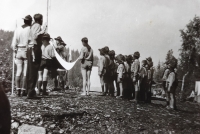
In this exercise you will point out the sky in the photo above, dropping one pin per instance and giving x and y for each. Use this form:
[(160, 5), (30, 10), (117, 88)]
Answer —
[(148, 26)]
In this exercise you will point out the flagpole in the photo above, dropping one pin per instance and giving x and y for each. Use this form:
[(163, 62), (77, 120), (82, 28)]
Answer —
[(13, 69), (47, 14)]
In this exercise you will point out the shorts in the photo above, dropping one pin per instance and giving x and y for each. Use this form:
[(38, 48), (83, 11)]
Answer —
[(45, 64), (21, 57), (87, 65)]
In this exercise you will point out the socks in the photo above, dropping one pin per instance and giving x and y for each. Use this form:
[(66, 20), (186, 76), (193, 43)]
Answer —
[(44, 86), (136, 95), (24, 83), (39, 85), (17, 81)]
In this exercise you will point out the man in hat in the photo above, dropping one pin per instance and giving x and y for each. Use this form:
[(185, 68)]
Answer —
[(34, 54), (19, 45), (46, 63), (56, 64), (135, 67), (62, 72)]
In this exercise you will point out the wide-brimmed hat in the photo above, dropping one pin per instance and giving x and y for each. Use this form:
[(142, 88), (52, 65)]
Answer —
[(106, 49), (173, 62), (102, 50), (129, 58), (112, 53), (58, 38), (149, 59), (136, 54), (144, 62), (46, 36), (63, 43), (120, 58), (28, 17)]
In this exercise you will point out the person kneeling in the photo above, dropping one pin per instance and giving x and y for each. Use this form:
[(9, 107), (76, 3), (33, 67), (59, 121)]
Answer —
[(46, 63)]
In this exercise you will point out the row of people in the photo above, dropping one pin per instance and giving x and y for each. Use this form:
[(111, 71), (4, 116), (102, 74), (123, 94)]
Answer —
[(133, 81), (127, 74)]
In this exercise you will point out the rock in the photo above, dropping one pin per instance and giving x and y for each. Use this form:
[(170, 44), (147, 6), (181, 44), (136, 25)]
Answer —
[(30, 129), (14, 125)]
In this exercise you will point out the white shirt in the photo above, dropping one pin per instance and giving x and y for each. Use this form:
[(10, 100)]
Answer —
[(21, 37)]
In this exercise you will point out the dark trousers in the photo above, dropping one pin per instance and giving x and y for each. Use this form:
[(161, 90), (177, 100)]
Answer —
[(117, 85), (32, 69), (127, 84), (143, 89)]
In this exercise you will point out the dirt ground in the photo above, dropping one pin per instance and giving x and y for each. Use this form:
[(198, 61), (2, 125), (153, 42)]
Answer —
[(71, 113)]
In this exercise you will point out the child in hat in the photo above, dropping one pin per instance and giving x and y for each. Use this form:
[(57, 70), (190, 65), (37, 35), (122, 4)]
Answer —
[(102, 69), (135, 67), (107, 73), (164, 78), (112, 72), (127, 77), (46, 63), (143, 80), (172, 83), (120, 72)]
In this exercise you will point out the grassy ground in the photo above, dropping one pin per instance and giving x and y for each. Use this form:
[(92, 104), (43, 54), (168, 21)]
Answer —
[(71, 113)]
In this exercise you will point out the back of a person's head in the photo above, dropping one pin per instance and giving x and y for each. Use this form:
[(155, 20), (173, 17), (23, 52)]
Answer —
[(38, 17)]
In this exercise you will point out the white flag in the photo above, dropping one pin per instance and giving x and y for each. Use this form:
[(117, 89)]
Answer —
[(66, 65)]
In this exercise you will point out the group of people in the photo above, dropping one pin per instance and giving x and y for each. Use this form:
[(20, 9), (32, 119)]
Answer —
[(133, 82), (35, 57)]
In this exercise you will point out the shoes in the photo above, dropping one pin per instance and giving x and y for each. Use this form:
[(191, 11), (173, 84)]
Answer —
[(135, 101), (118, 97), (84, 94), (45, 94), (88, 94), (24, 93)]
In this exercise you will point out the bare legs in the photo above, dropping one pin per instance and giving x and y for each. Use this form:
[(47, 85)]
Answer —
[(86, 81), (20, 67), (42, 80)]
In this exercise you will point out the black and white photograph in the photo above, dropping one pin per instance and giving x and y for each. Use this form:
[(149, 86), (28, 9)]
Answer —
[(100, 67)]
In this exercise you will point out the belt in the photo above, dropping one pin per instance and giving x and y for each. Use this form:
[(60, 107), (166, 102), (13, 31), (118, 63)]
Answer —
[(21, 46)]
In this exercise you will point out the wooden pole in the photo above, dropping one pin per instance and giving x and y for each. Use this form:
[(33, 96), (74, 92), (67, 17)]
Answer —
[(13, 70), (47, 14)]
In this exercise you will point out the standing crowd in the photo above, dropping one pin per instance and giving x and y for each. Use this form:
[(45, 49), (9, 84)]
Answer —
[(134, 80), (35, 58)]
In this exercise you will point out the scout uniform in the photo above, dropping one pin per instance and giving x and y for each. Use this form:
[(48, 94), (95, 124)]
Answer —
[(20, 44), (127, 77), (120, 72), (164, 78), (46, 64), (34, 55), (102, 69), (112, 73), (143, 81), (135, 67)]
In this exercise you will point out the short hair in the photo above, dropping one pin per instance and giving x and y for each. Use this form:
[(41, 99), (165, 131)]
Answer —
[(38, 17), (27, 22), (85, 40)]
